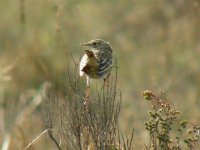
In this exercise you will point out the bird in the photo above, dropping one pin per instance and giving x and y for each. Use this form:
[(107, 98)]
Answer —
[(96, 63)]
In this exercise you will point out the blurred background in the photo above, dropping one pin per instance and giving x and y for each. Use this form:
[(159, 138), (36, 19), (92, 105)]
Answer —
[(156, 44)]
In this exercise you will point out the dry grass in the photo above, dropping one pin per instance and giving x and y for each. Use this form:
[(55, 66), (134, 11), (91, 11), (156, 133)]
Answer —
[(157, 41), (91, 125)]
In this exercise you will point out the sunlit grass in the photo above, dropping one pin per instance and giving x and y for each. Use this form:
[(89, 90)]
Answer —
[(156, 44)]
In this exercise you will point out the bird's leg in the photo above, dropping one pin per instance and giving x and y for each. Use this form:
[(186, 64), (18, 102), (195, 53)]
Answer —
[(106, 80), (87, 92)]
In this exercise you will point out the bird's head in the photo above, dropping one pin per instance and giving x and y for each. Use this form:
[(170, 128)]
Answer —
[(97, 44)]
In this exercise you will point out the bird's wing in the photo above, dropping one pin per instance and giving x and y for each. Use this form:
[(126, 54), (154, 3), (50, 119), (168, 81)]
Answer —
[(104, 66), (82, 64)]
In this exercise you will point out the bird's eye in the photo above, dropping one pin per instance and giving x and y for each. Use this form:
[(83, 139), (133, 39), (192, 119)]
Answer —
[(94, 43)]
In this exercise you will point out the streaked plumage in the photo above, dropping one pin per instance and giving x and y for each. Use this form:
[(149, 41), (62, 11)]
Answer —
[(96, 62)]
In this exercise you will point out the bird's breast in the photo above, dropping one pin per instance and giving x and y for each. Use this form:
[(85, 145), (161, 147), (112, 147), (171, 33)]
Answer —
[(91, 71)]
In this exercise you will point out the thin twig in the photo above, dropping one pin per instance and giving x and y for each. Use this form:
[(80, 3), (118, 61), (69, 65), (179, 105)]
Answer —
[(36, 139), (50, 133)]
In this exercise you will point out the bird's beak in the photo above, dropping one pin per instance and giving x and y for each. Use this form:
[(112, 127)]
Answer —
[(85, 44)]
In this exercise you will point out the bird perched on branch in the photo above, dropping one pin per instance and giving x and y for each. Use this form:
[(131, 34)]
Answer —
[(97, 62)]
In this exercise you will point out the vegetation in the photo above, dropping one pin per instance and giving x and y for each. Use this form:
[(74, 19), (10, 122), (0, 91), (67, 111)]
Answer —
[(94, 125), (157, 47), (163, 123)]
